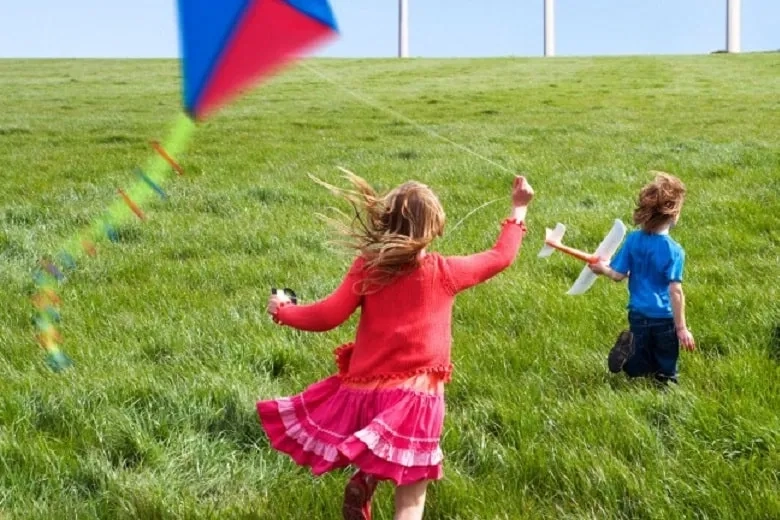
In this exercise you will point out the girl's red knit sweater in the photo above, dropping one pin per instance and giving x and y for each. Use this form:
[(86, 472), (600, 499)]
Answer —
[(405, 327)]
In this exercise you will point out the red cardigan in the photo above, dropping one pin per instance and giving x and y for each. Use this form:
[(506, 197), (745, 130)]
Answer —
[(405, 327)]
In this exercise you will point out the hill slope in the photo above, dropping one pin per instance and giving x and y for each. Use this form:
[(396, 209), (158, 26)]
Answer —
[(172, 346)]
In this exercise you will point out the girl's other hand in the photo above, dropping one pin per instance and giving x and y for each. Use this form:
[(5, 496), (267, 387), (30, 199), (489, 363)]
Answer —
[(274, 302)]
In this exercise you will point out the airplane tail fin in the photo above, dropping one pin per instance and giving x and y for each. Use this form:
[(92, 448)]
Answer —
[(551, 235)]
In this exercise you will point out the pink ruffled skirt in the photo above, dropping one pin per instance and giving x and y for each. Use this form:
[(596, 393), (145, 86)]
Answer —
[(388, 429)]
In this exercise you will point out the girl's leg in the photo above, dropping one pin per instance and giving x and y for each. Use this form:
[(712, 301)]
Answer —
[(410, 501)]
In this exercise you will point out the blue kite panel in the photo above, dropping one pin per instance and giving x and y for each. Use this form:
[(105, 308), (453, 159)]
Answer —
[(205, 27), (318, 9)]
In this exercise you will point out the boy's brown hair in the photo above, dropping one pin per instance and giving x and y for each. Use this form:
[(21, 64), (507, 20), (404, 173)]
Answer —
[(660, 202)]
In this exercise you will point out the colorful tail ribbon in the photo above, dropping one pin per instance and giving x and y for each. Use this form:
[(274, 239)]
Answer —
[(45, 300)]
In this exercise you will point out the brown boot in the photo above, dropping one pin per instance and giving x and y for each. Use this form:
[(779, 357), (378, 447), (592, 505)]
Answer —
[(357, 497)]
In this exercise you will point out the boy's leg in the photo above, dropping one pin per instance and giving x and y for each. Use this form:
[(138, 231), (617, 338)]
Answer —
[(410, 501), (639, 363), (357, 497), (665, 351), (621, 352)]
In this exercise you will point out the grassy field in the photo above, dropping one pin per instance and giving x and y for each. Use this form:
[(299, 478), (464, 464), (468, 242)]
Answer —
[(172, 347)]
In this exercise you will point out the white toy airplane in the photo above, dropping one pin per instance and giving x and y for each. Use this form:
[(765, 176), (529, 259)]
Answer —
[(606, 249)]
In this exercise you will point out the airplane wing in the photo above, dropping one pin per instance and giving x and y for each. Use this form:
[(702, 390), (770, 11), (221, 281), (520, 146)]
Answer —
[(606, 249)]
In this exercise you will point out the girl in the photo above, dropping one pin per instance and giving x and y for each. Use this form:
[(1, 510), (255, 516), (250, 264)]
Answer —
[(384, 410), (653, 263)]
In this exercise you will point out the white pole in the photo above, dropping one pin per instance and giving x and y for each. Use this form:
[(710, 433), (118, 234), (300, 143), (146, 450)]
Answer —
[(403, 28), (733, 25), (549, 27)]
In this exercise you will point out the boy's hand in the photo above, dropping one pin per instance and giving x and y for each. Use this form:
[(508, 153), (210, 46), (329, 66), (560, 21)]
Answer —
[(522, 192), (600, 267), (686, 339)]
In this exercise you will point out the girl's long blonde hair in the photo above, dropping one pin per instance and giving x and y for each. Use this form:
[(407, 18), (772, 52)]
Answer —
[(659, 202), (389, 230)]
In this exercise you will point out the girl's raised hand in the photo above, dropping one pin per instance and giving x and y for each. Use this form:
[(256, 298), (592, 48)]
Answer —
[(522, 192)]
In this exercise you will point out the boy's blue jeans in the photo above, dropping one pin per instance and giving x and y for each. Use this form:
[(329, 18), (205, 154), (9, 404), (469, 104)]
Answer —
[(656, 348)]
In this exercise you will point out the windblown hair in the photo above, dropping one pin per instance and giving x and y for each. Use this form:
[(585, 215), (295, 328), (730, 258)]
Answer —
[(389, 230), (660, 202)]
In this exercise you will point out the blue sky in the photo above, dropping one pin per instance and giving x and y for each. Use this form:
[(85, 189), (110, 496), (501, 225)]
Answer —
[(438, 28)]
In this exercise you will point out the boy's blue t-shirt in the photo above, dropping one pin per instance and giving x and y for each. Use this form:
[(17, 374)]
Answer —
[(652, 261)]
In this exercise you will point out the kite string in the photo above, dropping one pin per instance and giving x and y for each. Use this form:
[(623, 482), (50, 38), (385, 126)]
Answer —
[(373, 103), (472, 212)]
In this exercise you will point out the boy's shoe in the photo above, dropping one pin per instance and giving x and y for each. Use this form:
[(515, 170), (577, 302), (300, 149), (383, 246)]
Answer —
[(623, 349), (664, 380), (357, 497)]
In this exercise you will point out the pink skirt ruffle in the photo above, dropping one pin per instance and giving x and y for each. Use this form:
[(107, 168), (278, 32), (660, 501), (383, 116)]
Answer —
[(392, 433)]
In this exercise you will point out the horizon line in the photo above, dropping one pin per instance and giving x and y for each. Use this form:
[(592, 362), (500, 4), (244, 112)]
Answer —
[(396, 58)]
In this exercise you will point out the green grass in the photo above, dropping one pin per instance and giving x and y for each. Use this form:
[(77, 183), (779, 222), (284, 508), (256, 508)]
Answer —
[(172, 346)]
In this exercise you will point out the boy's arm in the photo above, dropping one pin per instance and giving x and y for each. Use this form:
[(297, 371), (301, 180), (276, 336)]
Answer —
[(675, 275), (606, 270), (678, 305), (616, 270), (328, 313), (678, 308), (467, 271)]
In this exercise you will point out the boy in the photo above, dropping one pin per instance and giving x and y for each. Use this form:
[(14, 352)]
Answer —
[(653, 263)]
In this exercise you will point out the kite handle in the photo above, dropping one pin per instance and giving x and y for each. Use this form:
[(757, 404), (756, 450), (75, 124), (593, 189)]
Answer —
[(576, 253), (285, 293)]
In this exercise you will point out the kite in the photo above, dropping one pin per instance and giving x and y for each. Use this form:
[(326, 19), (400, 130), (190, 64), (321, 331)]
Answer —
[(227, 47), (604, 251)]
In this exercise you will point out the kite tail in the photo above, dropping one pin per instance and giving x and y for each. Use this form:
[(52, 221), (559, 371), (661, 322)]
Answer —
[(53, 272)]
